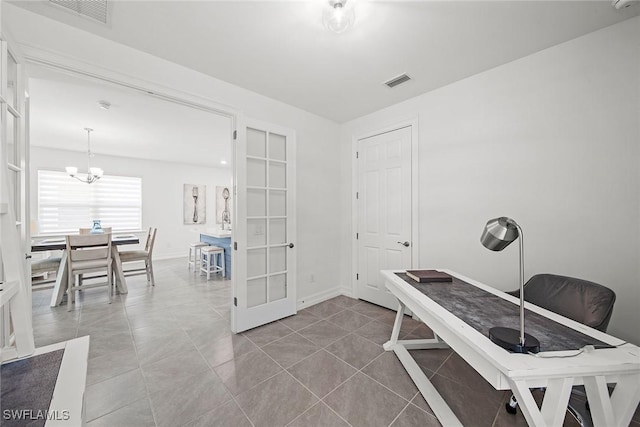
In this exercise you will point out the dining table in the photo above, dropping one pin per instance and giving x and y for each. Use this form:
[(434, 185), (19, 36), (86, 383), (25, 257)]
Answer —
[(59, 244)]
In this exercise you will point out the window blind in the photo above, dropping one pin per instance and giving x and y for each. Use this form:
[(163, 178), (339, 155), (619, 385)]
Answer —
[(66, 204)]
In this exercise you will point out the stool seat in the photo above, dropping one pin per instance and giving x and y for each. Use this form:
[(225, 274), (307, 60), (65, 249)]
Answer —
[(212, 260), (195, 255)]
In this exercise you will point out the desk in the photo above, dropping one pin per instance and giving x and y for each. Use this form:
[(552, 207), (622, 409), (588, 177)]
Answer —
[(520, 372), (58, 244)]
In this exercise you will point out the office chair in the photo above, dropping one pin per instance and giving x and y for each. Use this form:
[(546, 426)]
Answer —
[(586, 302)]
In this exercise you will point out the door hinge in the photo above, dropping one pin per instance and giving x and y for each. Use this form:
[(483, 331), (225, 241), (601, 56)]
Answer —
[(357, 195), (235, 246), (235, 301), (357, 155), (235, 135), (357, 236), (357, 276)]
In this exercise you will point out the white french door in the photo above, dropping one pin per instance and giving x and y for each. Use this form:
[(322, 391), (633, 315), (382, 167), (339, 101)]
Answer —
[(264, 270), (384, 212)]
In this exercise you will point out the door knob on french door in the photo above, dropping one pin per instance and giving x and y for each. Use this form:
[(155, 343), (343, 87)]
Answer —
[(291, 245), (405, 244)]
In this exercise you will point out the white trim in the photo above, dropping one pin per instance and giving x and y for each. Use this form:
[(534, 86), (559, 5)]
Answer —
[(415, 181), (319, 297)]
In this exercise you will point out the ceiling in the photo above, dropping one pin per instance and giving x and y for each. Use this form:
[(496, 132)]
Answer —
[(136, 125), (281, 49)]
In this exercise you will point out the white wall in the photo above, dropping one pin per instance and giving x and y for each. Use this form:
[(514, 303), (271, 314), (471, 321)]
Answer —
[(318, 184), (161, 192), (551, 140)]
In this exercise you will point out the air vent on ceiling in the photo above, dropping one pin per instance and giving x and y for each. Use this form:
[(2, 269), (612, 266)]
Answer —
[(398, 80), (94, 9)]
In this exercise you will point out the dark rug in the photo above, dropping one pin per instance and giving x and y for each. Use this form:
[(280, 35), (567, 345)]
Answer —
[(483, 310), (27, 388)]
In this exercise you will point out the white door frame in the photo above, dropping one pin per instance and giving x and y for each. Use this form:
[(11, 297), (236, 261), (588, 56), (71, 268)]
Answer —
[(415, 223)]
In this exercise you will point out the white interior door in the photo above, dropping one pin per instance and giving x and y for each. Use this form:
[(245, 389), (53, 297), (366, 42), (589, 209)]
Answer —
[(384, 212), (264, 270)]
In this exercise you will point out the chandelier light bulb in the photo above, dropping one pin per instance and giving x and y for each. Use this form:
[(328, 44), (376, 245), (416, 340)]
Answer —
[(338, 17)]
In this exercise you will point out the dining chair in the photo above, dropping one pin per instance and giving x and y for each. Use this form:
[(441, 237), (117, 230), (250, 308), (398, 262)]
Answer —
[(83, 231), (88, 254), (40, 271), (141, 255)]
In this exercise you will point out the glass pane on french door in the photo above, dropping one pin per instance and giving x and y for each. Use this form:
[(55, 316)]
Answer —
[(266, 221)]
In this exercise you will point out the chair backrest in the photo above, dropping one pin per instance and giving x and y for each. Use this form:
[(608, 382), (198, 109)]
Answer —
[(83, 231), (151, 240), (87, 247), (580, 300)]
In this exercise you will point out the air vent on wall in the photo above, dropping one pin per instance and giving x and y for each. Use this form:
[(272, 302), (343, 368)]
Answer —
[(398, 80), (94, 9)]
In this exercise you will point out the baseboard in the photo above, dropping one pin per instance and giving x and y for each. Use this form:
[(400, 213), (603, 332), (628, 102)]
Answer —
[(318, 297)]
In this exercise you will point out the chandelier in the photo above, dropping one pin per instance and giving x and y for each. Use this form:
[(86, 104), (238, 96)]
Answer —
[(93, 174)]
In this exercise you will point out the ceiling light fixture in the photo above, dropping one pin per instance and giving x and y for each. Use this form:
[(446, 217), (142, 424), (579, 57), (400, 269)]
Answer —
[(338, 17), (105, 105), (93, 174)]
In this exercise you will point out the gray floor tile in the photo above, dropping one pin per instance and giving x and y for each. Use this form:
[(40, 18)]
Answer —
[(276, 402), (188, 399), (136, 414), (246, 371), (344, 301), (388, 371), (114, 393), (355, 350), (228, 415), (290, 349), (323, 333), (377, 332), (456, 369), (371, 310), (412, 416), (166, 372), (430, 359), (470, 405), (150, 351), (103, 344), (349, 320), (208, 332), (110, 365), (325, 309), (322, 372), (301, 320), (225, 349), (319, 415), (268, 333), (374, 407)]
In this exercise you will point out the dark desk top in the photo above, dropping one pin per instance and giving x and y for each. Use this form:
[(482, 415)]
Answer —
[(58, 243), (482, 310)]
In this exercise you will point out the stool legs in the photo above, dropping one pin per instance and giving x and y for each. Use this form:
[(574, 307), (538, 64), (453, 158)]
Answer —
[(196, 252), (212, 262)]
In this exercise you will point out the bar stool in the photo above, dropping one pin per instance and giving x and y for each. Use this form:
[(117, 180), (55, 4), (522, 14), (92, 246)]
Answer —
[(195, 248), (212, 260)]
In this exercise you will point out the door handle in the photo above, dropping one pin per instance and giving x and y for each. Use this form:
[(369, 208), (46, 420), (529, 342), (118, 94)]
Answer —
[(27, 256), (405, 244), (291, 245)]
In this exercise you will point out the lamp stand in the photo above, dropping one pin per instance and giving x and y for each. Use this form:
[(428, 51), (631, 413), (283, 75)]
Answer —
[(509, 338)]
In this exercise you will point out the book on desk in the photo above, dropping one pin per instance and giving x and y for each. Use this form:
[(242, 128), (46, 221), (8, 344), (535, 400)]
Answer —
[(429, 276)]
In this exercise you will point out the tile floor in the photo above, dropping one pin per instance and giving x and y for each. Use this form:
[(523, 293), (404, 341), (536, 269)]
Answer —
[(165, 356)]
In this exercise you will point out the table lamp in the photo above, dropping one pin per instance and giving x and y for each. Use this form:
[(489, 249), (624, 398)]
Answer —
[(497, 235)]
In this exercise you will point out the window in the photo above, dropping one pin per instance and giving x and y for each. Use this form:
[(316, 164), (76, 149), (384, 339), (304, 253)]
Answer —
[(66, 204)]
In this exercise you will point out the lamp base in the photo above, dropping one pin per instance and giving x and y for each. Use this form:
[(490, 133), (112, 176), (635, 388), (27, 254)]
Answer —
[(509, 339)]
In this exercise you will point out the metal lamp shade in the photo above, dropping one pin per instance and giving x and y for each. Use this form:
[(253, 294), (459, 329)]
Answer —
[(499, 233)]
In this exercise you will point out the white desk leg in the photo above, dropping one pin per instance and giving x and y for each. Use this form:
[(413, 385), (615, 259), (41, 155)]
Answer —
[(618, 409), (121, 282), (554, 404), (61, 281), (395, 332)]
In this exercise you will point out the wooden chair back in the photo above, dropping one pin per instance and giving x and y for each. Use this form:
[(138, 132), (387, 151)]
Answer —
[(151, 240), (88, 247), (107, 230)]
